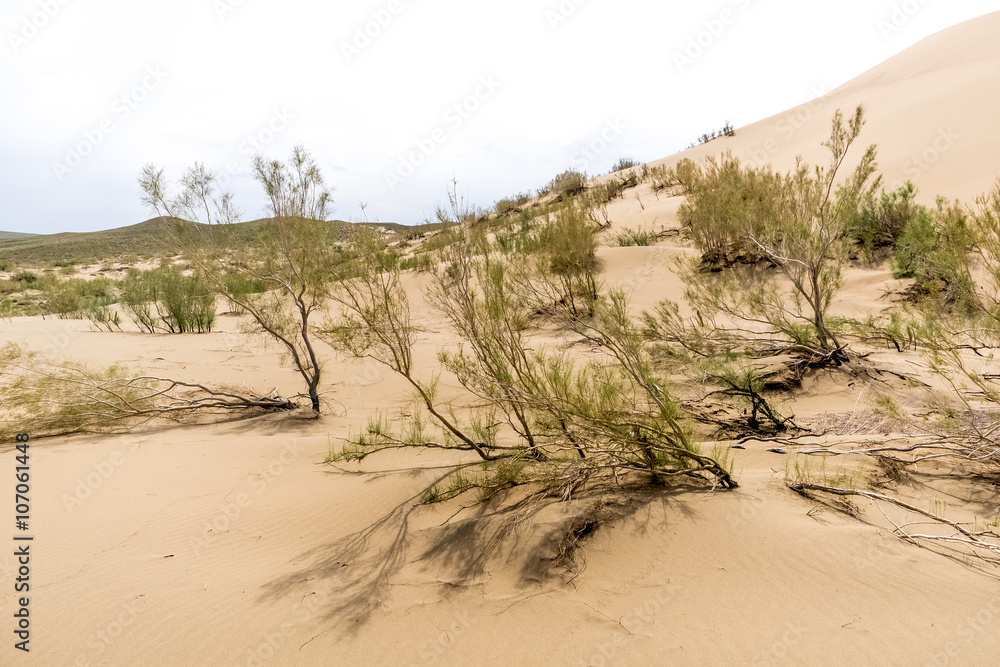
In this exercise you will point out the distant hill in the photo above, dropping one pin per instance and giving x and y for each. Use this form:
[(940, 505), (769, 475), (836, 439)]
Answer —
[(152, 238), (14, 235)]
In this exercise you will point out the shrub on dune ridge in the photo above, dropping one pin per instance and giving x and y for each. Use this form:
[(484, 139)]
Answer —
[(567, 184)]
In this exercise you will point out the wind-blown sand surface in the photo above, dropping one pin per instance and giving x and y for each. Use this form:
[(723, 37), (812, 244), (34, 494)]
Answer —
[(233, 543)]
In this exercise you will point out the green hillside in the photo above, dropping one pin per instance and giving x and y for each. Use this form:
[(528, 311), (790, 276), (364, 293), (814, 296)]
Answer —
[(152, 238)]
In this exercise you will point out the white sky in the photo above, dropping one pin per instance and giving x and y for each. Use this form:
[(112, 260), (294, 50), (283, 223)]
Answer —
[(179, 81)]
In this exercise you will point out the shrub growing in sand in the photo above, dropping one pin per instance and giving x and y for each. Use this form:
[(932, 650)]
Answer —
[(540, 416), (796, 224), (48, 397), (165, 300), (567, 184), (282, 278)]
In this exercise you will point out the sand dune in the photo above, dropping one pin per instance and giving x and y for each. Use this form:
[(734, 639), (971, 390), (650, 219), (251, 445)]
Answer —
[(233, 543), (930, 110)]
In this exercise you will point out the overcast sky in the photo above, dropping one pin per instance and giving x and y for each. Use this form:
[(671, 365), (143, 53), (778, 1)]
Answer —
[(394, 97)]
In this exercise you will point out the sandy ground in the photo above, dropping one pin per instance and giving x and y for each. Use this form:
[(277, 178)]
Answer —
[(234, 544)]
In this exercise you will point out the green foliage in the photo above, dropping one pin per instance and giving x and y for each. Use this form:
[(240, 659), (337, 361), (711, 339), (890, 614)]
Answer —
[(291, 261), (541, 416), (69, 298), (933, 249), (567, 184), (635, 237), (511, 205), (103, 316), (166, 300), (743, 383), (622, 164), (881, 222), (727, 130), (568, 246), (48, 397), (728, 205), (797, 223), (25, 278)]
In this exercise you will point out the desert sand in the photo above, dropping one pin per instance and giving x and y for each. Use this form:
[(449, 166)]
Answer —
[(234, 544)]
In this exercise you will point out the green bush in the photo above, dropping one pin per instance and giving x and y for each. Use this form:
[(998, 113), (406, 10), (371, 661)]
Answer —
[(64, 301), (25, 277), (635, 237), (933, 249), (166, 300), (419, 262), (511, 205), (880, 223), (728, 206), (569, 245), (68, 299), (567, 184), (623, 164)]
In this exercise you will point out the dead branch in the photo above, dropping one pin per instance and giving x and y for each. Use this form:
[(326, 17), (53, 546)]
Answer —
[(978, 543)]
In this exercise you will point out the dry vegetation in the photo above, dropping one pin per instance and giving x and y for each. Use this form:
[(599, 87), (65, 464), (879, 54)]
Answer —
[(565, 387)]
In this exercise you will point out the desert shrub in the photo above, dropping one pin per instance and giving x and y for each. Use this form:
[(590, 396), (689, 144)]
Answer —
[(418, 262), (166, 300), (506, 207), (64, 301), (679, 176), (933, 249), (26, 278), (796, 223), (49, 397), (295, 257), (604, 193), (67, 269), (729, 205), (622, 164), (567, 245), (727, 130), (542, 418), (102, 315), (4, 265), (635, 237), (881, 221), (567, 184), (511, 205)]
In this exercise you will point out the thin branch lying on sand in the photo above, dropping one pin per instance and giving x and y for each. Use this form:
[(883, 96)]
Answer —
[(965, 451), (980, 544), (49, 399)]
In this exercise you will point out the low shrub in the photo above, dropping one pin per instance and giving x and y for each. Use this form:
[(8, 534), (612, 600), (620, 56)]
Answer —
[(880, 223), (635, 237), (623, 164), (166, 300), (933, 249), (567, 184), (25, 277)]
